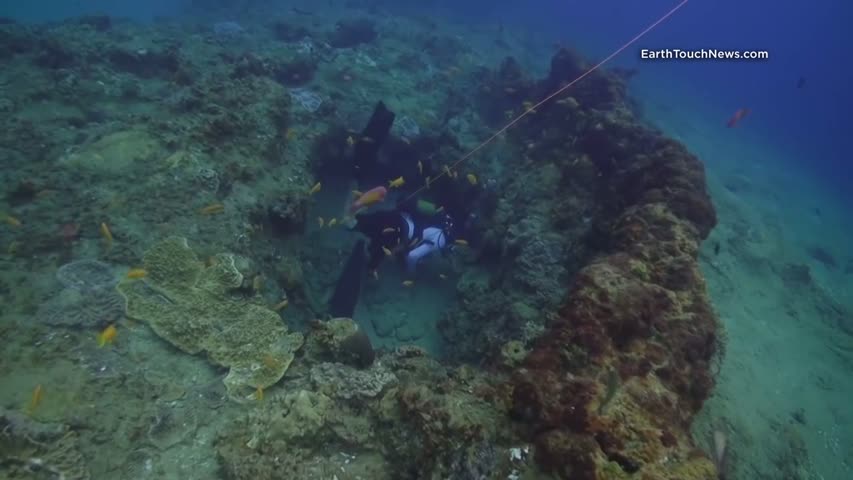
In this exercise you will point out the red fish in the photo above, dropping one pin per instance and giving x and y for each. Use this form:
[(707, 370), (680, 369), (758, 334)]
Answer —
[(368, 198), (738, 116)]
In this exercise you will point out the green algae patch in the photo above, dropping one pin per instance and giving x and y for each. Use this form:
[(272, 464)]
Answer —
[(116, 152), (186, 303)]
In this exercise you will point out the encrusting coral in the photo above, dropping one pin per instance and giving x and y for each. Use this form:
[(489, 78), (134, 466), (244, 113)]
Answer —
[(187, 304), (608, 390)]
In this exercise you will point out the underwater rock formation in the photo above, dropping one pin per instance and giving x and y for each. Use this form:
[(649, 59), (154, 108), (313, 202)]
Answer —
[(618, 376), (341, 340), (187, 304), (287, 213), (341, 381), (29, 449), (611, 386), (432, 422)]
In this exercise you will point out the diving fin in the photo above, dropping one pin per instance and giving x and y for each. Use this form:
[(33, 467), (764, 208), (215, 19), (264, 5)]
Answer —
[(348, 288), (366, 151)]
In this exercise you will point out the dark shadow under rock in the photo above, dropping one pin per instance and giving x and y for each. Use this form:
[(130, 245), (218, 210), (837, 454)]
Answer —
[(823, 256), (350, 33)]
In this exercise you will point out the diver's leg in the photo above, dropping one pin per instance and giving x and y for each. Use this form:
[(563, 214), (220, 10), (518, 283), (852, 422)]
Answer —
[(415, 256)]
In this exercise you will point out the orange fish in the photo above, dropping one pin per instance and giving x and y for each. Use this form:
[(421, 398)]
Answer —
[(107, 234), (368, 198), (11, 220), (35, 399), (737, 117), (212, 209), (136, 273), (107, 336)]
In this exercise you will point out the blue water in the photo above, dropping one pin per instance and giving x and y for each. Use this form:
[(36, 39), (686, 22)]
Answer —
[(808, 39)]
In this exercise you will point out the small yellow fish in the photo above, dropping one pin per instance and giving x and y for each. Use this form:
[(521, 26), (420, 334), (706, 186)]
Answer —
[(136, 273), (442, 276), (314, 189), (408, 283), (439, 209), (35, 399), (259, 394), (356, 193), (320, 221), (472, 179), (212, 209), (461, 243), (350, 141), (528, 105), (258, 283), (12, 221), (397, 182), (387, 251), (281, 305), (332, 222), (107, 336), (290, 134), (270, 361), (388, 230), (107, 234), (420, 168), (447, 171), (367, 140)]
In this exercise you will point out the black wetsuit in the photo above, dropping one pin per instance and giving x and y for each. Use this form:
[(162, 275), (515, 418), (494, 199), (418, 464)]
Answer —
[(386, 229)]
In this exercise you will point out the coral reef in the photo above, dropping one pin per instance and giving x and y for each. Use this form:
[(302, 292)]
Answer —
[(32, 450), (218, 131), (341, 381), (341, 340), (638, 313), (86, 275), (171, 425), (187, 304), (88, 299), (432, 423), (93, 308)]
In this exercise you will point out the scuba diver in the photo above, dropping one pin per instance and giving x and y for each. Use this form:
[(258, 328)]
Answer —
[(402, 232), (416, 228)]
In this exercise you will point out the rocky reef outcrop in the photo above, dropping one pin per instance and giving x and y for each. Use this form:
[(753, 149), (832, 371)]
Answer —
[(610, 389)]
